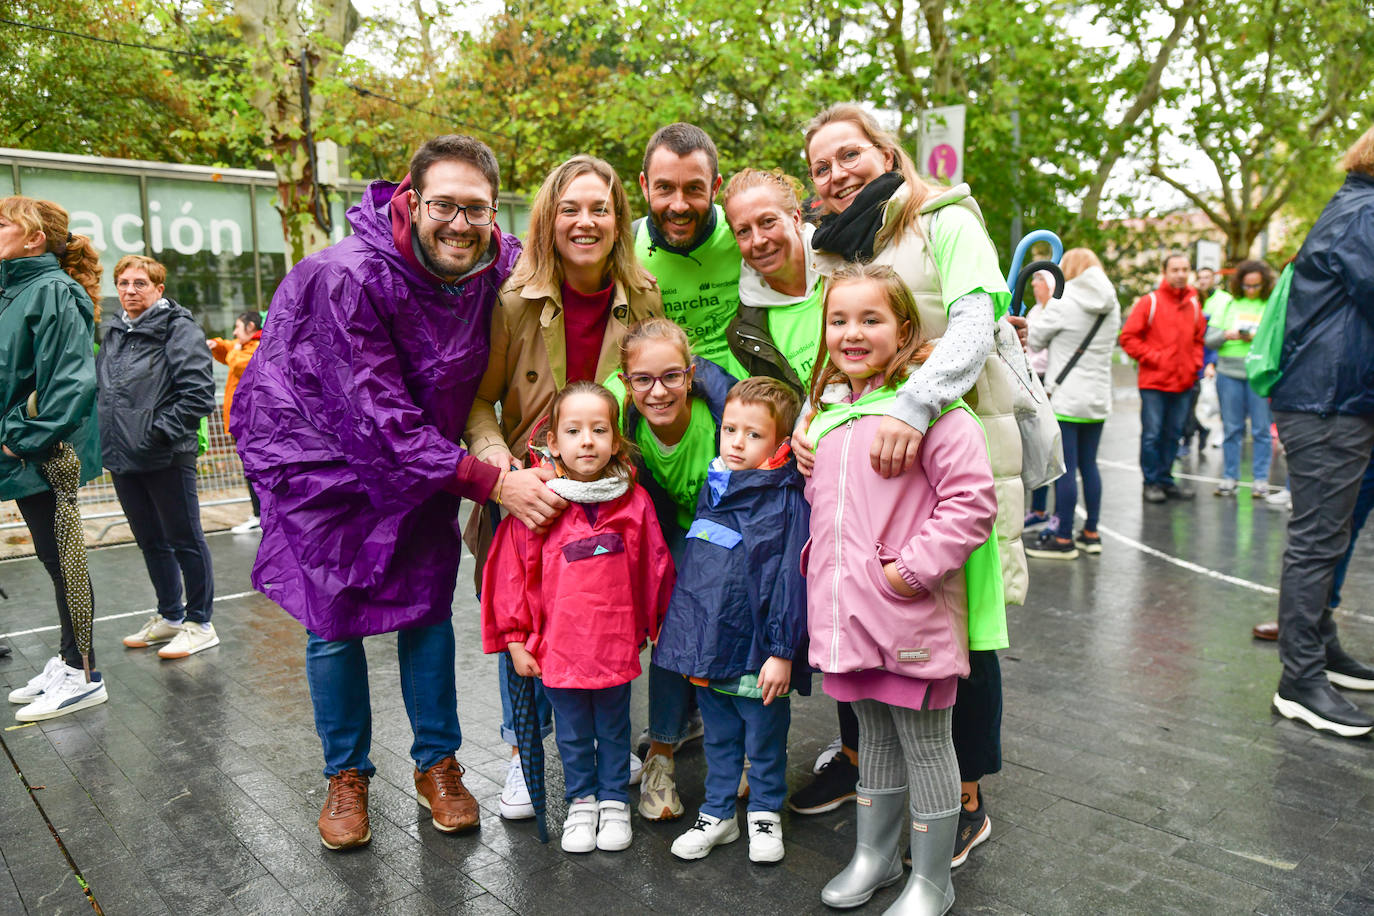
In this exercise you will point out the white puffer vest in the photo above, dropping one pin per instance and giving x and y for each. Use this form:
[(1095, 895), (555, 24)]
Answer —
[(991, 397)]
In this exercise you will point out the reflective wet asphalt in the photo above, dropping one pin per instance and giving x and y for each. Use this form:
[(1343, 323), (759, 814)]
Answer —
[(1144, 771)]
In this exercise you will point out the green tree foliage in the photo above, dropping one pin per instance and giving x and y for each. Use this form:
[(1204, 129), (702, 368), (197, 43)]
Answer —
[(1276, 89), (63, 94)]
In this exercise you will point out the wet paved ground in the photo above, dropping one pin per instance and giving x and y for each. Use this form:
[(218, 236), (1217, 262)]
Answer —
[(1143, 770)]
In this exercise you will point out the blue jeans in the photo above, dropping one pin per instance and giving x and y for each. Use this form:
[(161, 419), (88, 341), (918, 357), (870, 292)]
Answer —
[(337, 673), (541, 704), (593, 738), (1162, 416), (1363, 504), (1238, 400), (670, 705), (1080, 457), (736, 726), (164, 514)]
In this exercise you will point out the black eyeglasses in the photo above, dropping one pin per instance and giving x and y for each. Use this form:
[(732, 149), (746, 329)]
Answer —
[(444, 211), (674, 378)]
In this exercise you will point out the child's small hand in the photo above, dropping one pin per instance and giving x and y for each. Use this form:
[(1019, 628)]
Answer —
[(894, 579), (804, 450), (522, 661), (774, 678)]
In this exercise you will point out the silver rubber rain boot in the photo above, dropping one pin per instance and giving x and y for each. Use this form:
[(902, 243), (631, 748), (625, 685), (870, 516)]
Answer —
[(881, 814), (929, 891)]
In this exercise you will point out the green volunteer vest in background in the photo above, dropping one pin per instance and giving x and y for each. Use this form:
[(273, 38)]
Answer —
[(700, 289), (1235, 314)]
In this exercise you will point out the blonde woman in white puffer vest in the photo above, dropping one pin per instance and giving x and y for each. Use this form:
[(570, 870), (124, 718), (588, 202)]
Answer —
[(878, 209)]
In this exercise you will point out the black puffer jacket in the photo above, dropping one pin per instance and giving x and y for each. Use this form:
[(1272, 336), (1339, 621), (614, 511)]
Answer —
[(1328, 347), (155, 381)]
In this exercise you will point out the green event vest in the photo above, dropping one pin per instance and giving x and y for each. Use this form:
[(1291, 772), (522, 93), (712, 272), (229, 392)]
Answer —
[(987, 606), (1235, 314), (700, 289)]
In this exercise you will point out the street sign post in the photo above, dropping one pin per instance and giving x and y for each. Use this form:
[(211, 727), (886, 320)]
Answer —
[(941, 144)]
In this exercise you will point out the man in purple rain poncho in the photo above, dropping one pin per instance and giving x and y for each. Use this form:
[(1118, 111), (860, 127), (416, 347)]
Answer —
[(348, 420)]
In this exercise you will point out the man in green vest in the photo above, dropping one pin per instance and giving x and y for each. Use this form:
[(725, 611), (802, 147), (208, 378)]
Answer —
[(686, 242)]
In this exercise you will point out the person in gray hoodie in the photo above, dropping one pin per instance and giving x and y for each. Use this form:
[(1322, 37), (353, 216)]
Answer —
[(1079, 330)]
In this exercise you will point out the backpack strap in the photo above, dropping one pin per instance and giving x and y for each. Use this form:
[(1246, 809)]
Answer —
[(1077, 354), (1153, 302)]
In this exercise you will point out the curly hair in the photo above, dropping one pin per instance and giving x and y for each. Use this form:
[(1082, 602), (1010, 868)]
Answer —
[(1252, 267), (75, 253)]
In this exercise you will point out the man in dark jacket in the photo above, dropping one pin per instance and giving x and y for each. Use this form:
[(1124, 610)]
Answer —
[(348, 419), (1324, 407), (1164, 335)]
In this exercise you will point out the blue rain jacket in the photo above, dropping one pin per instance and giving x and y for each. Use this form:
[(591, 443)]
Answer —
[(740, 596), (1328, 346)]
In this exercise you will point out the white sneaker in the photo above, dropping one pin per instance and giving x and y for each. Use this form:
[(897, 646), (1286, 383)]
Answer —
[(253, 524), (39, 682), (515, 804), (658, 798), (765, 836), (189, 641), (579, 829), (613, 832), (636, 769), (1227, 487), (703, 836), (1280, 499), (66, 693), (1259, 489), (826, 755), (155, 630)]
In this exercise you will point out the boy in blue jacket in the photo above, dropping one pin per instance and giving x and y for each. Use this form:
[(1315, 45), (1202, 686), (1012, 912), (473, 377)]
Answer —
[(737, 618)]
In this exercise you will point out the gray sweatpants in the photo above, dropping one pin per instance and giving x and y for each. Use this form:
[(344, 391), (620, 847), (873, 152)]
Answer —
[(909, 747), (1327, 457)]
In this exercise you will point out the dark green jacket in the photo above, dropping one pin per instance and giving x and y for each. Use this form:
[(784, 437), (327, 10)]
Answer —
[(47, 344)]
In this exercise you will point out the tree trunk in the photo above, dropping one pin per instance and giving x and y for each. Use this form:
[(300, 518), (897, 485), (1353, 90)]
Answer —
[(274, 28)]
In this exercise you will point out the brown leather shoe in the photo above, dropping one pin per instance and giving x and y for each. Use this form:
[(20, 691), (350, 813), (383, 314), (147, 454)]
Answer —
[(441, 790), (343, 822), (1268, 631)]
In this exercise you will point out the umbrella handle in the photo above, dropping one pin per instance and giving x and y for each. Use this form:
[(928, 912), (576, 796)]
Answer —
[(86, 665)]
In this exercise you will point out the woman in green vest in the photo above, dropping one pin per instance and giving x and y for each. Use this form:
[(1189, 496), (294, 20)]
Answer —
[(777, 330), (1230, 332)]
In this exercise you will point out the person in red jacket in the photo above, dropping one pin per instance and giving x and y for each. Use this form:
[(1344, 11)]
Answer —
[(1164, 335), (574, 605)]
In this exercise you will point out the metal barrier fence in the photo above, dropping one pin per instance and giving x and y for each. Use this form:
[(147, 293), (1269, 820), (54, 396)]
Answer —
[(219, 478)]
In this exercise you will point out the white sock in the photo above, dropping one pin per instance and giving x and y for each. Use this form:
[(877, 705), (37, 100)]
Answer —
[(205, 626)]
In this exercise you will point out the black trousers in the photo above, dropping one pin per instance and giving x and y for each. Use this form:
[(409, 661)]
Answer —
[(1327, 458), (164, 512), (40, 511), (977, 725)]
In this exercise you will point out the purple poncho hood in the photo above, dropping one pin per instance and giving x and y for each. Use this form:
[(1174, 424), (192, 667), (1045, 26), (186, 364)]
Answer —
[(348, 420)]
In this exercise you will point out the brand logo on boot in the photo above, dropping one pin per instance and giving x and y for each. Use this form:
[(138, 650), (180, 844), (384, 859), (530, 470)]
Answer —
[(866, 802), (923, 828)]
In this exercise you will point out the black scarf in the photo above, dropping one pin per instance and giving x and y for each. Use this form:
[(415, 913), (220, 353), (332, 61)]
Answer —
[(850, 234)]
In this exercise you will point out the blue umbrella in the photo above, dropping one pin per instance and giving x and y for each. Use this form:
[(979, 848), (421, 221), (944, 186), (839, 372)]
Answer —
[(529, 741)]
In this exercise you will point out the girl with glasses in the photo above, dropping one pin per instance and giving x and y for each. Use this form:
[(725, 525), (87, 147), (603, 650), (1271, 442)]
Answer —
[(673, 407)]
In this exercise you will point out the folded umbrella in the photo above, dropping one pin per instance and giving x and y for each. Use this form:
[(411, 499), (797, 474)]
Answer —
[(62, 471), (529, 741)]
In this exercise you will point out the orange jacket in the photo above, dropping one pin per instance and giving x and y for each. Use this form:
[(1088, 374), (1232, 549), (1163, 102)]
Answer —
[(236, 358)]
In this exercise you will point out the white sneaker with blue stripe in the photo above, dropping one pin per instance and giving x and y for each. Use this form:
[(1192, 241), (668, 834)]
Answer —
[(39, 682), (65, 693)]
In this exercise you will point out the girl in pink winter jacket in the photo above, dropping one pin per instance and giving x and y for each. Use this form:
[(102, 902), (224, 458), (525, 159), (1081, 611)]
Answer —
[(892, 568)]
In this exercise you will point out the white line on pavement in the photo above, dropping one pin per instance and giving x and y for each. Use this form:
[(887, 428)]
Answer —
[(151, 610)]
